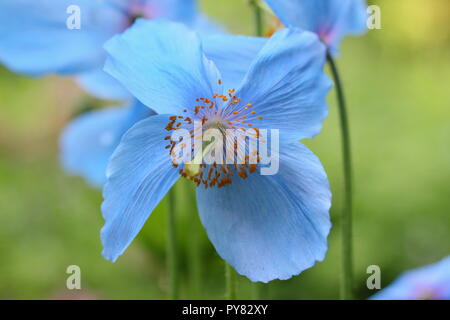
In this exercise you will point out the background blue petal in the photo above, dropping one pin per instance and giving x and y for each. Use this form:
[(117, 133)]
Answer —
[(184, 11), (35, 40), (331, 19), (88, 141), (428, 282), (101, 85), (205, 26), (271, 227)]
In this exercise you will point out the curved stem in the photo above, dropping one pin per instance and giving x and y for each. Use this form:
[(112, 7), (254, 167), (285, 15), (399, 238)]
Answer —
[(195, 262), (346, 218), (258, 17), (257, 291), (172, 260), (230, 277)]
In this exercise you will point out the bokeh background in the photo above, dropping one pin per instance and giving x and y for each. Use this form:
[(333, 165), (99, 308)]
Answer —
[(397, 83)]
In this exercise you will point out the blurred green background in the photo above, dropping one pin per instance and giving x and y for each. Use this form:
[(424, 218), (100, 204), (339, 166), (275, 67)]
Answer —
[(397, 83)]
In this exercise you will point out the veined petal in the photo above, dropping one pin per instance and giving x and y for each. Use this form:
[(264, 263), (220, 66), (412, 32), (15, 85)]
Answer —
[(139, 174), (101, 85), (286, 86), (88, 142), (330, 19), (35, 38), (167, 75), (271, 227), (232, 55)]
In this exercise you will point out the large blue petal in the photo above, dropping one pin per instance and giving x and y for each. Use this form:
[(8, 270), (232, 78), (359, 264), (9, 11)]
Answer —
[(232, 55), (101, 85), (271, 227), (162, 64), (88, 142), (429, 282), (287, 86), (330, 19), (139, 174), (35, 40)]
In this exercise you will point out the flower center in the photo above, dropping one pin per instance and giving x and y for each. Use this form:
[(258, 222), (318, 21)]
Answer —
[(215, 141)]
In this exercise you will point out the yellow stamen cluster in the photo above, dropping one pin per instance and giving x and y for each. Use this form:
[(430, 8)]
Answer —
[(207, 111)]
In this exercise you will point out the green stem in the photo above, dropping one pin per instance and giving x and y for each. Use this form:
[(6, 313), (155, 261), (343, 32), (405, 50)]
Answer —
[(230, 277), (172, 247), (257, 291), (346, 219), (258, 16), (195, 263)]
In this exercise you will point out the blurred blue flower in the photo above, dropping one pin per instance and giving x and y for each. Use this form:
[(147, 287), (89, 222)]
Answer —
[(431, 282), (266, 227), (35, 38), (36, 41), (331, 20)]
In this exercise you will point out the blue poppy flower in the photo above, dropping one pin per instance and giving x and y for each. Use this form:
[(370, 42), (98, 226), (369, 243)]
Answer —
[(329, 19), (88, 141), (36, 39), (266, 227), (431, 282)]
